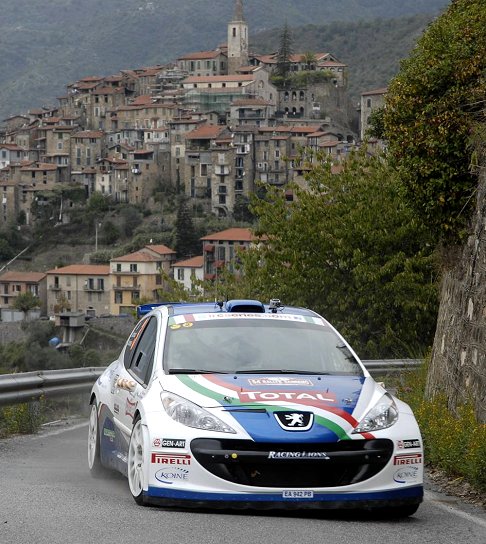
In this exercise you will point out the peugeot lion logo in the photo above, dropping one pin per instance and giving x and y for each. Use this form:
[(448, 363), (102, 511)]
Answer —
[(294, 421)]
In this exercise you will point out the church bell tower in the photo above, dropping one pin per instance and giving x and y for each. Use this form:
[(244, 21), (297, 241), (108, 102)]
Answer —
[(237, 40)]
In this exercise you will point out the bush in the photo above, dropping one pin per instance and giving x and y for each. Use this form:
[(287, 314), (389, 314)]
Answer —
[(20, 418), (454, 443)]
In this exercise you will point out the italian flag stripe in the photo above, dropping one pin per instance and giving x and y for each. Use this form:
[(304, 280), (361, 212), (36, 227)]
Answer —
[(198, 388)]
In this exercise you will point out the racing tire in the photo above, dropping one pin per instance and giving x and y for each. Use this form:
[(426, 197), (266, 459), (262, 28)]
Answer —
[(96, 469), (136, 462)]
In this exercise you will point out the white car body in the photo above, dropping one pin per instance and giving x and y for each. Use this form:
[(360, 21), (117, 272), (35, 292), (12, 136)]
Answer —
[(264, 439)]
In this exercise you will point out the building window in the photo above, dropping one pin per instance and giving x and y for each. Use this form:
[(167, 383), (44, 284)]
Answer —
[(221, 253), (180, 274), (133, 267), (118, 297), (118, 267)]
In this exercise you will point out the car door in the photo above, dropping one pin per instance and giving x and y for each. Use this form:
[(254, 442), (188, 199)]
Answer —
[(135, 373)]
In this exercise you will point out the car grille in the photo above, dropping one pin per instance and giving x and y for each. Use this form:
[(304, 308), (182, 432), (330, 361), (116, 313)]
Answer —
[(293, 465)]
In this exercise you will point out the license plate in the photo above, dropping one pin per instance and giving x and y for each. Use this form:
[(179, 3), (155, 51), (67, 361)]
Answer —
[(297, 494)]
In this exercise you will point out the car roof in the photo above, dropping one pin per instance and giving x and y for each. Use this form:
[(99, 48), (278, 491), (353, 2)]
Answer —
[(230, 306)]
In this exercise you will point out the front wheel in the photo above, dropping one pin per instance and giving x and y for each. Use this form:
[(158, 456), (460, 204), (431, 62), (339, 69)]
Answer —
[(136, 462)]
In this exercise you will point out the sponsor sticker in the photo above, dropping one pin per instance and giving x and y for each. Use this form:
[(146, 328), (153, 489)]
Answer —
[(171, 459), (113, 383), (109, 433), (406, 475), (297, 455), (282, 396), (407, 444), (411, 459), (130, 408), (169, 443), (271, 380), (171, 475), (297, 494)]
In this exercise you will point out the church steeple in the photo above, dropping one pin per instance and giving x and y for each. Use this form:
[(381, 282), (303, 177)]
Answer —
[(238, 16), (237, 40)]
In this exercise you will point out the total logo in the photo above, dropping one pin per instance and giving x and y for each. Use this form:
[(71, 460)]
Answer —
[(171, 459), (281, 396), (171, 475)]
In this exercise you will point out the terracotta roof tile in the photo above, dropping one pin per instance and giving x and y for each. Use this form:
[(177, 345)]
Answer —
[(82, 270), (30, 277), (200, 55), (195, 262), (161, 249), (237, 234), (205, 132), (140, 256)]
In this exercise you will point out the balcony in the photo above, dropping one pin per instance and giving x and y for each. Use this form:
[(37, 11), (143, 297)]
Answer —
[(54, 287), (125, 272), (127, 287), (94, 289), (243, 149)]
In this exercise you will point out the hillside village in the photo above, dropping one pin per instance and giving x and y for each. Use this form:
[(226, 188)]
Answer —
[(209, 125)]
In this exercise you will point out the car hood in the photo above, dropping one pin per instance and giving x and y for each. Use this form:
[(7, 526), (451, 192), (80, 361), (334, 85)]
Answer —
[(335, 399)]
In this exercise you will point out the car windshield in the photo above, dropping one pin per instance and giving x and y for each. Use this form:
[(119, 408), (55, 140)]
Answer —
[(258, 344)]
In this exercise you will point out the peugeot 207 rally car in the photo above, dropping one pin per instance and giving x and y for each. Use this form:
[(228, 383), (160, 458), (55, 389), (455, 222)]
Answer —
[(251, 405)]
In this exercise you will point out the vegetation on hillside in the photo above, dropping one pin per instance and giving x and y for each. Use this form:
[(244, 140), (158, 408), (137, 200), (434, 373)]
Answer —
[(430, 110)]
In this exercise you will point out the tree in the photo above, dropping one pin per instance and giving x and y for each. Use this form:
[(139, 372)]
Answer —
[(284, 52), (25, 302), (310, 60), (353, 250), (241, 211), (186, 240), (430, 108)]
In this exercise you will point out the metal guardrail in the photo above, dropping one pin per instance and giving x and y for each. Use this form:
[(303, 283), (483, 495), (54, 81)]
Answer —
[(29, 386)]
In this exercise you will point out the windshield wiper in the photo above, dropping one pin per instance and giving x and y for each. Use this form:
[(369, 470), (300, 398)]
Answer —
[(279, 371), (195, 371)]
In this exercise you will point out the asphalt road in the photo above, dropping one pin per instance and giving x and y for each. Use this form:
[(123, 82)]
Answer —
[(48, 496)]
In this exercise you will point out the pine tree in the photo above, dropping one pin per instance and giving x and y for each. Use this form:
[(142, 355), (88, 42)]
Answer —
[(284, 52), (187, 243)]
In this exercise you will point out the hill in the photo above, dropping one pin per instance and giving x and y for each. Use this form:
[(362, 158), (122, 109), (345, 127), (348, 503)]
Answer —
[(46, 45)]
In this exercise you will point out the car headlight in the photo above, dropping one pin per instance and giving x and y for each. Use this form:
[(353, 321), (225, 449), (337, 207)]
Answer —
[(383, 415), (192, 415)]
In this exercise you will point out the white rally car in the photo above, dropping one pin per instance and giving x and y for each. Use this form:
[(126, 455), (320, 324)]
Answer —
[(242, 404)]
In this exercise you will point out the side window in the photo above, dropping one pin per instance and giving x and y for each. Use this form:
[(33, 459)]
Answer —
[(141, 358)]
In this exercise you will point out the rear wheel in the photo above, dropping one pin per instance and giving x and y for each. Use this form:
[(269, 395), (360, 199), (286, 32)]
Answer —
[(136, 461), (94, 461)]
